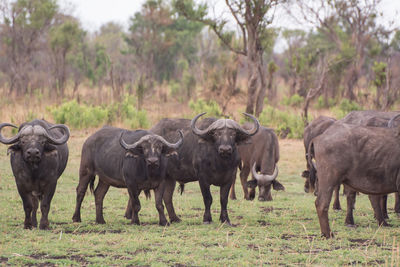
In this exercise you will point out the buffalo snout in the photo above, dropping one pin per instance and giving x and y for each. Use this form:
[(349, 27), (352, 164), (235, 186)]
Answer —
[(153, 161), (33, 155), (225, 150)]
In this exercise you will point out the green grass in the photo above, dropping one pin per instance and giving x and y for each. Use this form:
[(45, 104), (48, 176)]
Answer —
[(282, 232)]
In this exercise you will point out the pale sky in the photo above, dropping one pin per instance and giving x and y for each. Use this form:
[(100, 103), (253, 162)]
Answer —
[(94, 13)]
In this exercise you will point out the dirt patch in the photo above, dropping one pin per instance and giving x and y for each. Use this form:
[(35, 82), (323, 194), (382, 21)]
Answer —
[(81, 259), (239, 217), (267, 209), (102, 232), (3, 259), (207, 245), (253, 247), (263, 223), (140, 251)]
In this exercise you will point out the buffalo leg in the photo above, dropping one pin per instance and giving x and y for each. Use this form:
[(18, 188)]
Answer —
[(134, 197), (351, 200), (233, 193), (167, 197), (244, 173), (128, 211), (158, 195), (376, 205), (45, 205), (397, 203), (383, 203), (207, 199), (224, 192), (99, 194), (336, 203), (35, 205), (322, 205), (28, 207), (84, 178)]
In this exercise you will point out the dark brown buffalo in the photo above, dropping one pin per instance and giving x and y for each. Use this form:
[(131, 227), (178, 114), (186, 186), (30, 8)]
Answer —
[(136, 160), (39, 154), (261, 155), (208, 155), (366, 118), (364, 158)]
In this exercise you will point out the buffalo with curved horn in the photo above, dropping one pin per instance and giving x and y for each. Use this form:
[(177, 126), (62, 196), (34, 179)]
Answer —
[(208, 155), (136, 160), (263, 151), (39, 154)]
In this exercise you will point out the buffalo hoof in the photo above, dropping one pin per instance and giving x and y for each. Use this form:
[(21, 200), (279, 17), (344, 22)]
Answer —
[(233, 197), (101, 221), (164, 223), (28, 226), (327, 236), (128, 216), (76, 219), (175, 220), (44, 227), (207, 222), (337, 207), (351, 225), (385, 224)]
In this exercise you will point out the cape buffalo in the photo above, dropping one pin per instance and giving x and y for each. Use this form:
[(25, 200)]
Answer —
[(366, 118), (261, 155), (364, 158), (39, 154), (121, 158), (208, 155)]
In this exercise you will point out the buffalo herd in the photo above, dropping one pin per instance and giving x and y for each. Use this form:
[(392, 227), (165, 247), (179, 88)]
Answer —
[(360, 152)]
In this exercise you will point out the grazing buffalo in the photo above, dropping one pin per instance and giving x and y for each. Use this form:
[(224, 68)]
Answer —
[(366, 118), (366, 159), (39, 154), (121, 158), (208, 155), (261, 155)]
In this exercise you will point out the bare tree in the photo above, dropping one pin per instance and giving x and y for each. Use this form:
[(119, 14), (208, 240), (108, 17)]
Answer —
[(356, 21), (252, 17)]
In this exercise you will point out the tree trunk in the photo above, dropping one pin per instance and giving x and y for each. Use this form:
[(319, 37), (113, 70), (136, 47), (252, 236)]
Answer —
[(263, 87)]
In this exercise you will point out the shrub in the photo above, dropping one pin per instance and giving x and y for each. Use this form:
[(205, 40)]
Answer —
[(286, 124), (320, 104), (344, 108), (210, 107), (294, 101), (79, 116), (83, 116)]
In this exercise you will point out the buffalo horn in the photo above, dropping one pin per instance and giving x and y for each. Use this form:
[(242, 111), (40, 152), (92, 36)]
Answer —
[(11, 140), (255, 128), (391, 122), (264, 177), (62, 139), (196, 130), (174, 146)]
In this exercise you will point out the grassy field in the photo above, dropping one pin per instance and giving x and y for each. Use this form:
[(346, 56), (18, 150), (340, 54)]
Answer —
[(282, 232)]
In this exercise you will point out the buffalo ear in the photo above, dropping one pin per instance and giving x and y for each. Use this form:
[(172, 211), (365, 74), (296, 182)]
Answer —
[(242, 139), (134, 153), (50, 150), (277, 186), (13, 149), (169, 152), (49, 147), (252, 183)]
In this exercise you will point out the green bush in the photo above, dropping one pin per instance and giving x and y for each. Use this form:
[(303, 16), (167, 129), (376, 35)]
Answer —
[(210, 107), (294, 101), (286, 124), (81, 116), (344, 108), (321, 103)]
